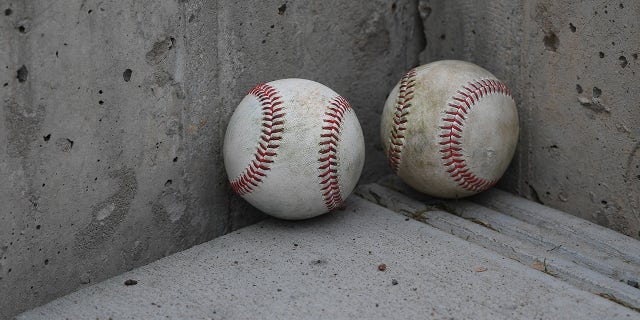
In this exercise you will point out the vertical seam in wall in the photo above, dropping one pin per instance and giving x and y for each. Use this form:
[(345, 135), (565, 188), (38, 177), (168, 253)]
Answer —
[(525, 143), (221, 72), (420, 46), (182, 55)]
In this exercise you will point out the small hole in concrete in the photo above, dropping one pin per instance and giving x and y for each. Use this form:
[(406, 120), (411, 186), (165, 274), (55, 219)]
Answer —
[(127, 75), (443, 36), (173, 42), (56, 54), (175, 159), (38, 227), (8, 12), (393, 7), (130, 282), (263, 41), (596, 92), (601, 54), (578, 88), (427, 12), (273, 26), (168, 183), (22, 29), (191, 17), (603, 202), (100, 102), (22, 74), (5, 84), (635, 56), (46, 262), (99, 91), (623, 61), (47, 137), (89, 12), (551, 41), (282, 9), (572, 27)]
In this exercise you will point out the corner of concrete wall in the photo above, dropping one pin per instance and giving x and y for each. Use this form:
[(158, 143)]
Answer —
[(114, 112)]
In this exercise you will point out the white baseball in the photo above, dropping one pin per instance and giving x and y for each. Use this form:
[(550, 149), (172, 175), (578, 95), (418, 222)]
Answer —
[(449, 129), (294, 149)]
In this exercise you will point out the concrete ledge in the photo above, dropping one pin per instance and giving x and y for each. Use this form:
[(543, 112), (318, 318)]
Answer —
[(329, 268), (589, 256)]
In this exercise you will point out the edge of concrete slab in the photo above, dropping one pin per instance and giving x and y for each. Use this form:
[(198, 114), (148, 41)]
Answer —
[(329, 267), (539, 243)]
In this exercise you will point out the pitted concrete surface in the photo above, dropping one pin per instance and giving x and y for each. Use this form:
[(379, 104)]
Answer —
[(113, 113), (329, 268), (113, 116)]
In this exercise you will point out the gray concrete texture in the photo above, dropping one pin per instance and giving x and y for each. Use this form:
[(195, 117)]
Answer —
[(113, 114), (572, 68), (329, 268), (586, 255)]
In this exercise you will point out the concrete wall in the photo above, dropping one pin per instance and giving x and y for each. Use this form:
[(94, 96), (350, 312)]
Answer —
[(572, 67), (113, 114)]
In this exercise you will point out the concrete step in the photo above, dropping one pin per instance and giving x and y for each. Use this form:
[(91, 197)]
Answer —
[(589, 256), (330, 267)]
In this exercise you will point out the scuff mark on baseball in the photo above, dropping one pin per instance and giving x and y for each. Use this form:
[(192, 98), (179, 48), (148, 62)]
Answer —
[(294, 149)]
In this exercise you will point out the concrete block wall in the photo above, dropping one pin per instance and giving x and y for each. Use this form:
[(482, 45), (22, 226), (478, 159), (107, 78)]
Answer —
[(574, 70), (113, 116)]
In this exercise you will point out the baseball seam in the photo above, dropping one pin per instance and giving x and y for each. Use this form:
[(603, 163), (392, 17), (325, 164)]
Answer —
[(403, 104), (328, 159), (272, 127), (452, 126)]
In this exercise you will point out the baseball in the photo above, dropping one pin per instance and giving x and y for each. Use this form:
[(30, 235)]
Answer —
[(293, 149), (449, 129)]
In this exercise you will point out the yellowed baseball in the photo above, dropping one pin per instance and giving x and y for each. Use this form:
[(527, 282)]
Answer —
[(449, 128)]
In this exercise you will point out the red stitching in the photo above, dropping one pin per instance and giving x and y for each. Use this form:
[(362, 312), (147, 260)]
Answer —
[(452, 128), (330, 138), (269, 141), (403, 104)]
